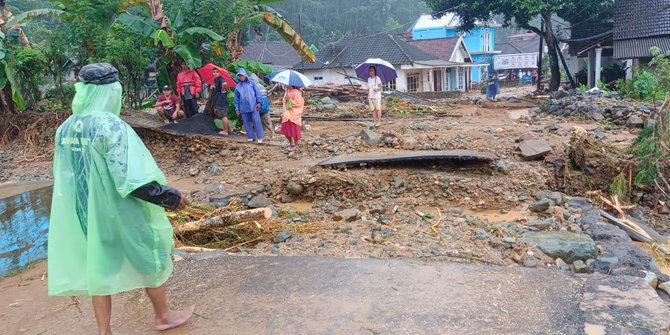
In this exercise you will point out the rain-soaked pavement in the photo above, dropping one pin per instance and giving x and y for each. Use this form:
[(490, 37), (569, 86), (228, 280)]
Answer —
[(303, 295)]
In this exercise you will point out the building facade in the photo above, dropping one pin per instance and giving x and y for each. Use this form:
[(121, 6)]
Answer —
[(480, 41)]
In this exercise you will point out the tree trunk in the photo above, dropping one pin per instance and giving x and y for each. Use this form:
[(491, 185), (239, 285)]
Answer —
[(554, 67), (8, 105)]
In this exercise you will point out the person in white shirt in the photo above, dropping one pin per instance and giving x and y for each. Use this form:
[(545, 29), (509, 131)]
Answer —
[(375, 97)]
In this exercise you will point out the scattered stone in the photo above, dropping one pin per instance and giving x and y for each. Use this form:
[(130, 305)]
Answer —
[(397, 182), (349, 215), (286, 198), (556, 198), (295, 188), (502, 166), (553, 127), (259, 201), (589, 262), (580, 266), (409, 143), (194, 171), (604, 264), (665, 287), (487, 130), (282, 236), (370, 137), (275, 250), (560, 244), (649, 123), (600, 135), (383, 219), (651, 279), (540, 205), (635, 121), (560, 263), (530, 261), (534, 149)]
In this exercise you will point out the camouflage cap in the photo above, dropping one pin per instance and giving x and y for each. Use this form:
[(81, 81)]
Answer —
[(99, 74)]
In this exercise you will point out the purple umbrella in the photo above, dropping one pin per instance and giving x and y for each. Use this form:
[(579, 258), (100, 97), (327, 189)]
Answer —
[(385, 71)]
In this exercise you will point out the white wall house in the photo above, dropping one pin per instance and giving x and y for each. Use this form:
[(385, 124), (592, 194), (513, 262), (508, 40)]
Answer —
[(418, 70)]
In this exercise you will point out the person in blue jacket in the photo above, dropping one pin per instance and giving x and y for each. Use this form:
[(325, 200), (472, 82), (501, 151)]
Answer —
[(248, 100)]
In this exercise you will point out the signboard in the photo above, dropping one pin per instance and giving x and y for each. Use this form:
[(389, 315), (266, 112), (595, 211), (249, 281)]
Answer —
[(515, 61)]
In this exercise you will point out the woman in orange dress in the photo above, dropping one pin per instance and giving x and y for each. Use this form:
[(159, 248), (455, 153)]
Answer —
[(294, 104)]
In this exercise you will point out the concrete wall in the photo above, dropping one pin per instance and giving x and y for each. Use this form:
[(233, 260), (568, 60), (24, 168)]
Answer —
[(24, 223)]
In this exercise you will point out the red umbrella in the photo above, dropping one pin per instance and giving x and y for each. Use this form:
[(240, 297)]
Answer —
[(207, 76)]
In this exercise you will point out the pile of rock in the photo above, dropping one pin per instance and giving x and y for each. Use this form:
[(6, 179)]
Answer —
[(597, 106)]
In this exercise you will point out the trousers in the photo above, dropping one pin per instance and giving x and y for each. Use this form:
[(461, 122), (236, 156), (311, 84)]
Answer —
[(253, 125)]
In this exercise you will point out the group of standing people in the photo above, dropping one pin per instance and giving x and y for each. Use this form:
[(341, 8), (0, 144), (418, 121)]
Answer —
[(250, 100)]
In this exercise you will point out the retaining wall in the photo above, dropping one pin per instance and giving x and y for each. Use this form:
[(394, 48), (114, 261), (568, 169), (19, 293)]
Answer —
[(24, 223)]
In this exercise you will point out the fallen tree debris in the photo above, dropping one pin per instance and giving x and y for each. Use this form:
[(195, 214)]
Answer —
[(226, 220), (409, 157)]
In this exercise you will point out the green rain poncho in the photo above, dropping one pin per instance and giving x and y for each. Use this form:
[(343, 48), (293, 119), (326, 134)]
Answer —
[(102, 240)]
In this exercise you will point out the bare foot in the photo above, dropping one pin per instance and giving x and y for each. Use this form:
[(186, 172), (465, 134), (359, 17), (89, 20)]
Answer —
[(174, 319), (166, 121), (223, 133)]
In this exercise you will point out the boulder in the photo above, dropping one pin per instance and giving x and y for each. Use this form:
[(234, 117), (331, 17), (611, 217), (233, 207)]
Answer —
[(649, 123), (635, 121), (540, 205), (565, 245), (534, 149), (295, 188), (370, 137), (259, 201)]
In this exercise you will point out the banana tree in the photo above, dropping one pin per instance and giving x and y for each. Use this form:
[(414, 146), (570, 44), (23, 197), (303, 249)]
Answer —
[(274, 20), (179, 44)]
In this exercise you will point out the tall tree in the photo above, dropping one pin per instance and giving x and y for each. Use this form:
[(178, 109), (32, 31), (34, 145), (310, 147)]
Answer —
[(522, 13)]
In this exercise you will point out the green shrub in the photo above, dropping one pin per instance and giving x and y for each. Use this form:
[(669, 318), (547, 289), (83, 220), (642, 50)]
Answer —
[(68, 91)]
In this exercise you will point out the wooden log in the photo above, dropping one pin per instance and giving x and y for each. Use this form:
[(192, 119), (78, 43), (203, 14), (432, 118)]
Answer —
[(226, 220), (195, 249)]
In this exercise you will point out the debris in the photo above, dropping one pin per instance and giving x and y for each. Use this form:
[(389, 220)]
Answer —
[(534, 149), (560, 244), (370, 137), (195, 249), (282, 236), (226, 220), (540, 205), (580, 266), (635, 121), (348, 215), (408, 157), (259, 201)]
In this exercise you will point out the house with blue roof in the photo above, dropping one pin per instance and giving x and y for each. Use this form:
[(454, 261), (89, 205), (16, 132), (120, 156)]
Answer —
[(480, 41)]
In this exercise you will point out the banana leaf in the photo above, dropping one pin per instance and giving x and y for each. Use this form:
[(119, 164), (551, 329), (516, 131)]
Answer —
[(16, 90), (289, 35), (250, 65), (189, 54), (161, 36), (142, 25), (203, 31), (32, 14)]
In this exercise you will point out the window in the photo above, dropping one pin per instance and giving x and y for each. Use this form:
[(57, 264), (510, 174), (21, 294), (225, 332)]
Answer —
[(487, 41), (318, 79), (391, 85), (413, 82)]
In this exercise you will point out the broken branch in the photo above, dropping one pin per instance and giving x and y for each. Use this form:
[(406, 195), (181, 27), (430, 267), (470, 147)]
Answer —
[(226, 220)]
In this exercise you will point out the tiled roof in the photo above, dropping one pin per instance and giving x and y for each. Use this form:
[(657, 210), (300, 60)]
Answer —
[(641, 19), (352, 52), (278, 54), (442, 48)]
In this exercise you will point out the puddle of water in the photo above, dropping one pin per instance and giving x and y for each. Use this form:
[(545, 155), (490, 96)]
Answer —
[(662, 264), (301, 206), (497, 216)]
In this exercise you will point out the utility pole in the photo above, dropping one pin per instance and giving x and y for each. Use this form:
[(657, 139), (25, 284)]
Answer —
[(539, 59), (302, 59)]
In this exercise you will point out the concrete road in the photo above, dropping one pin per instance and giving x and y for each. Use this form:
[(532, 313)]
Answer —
[(282, 295)]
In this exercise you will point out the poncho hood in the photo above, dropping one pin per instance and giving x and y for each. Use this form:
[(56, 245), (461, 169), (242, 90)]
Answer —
[(91, 99)]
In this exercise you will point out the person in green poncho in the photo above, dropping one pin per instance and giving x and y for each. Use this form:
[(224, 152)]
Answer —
[(108, 231)]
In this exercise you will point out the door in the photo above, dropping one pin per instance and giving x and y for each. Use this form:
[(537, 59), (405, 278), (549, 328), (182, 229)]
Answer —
[(437, 81), (461, 79), (413, 80)]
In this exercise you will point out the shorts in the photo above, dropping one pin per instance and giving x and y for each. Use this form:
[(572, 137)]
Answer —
[(221, 112), (375, 104), (169, 113)]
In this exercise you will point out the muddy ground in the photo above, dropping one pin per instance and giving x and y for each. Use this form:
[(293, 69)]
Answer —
[(474, 212)]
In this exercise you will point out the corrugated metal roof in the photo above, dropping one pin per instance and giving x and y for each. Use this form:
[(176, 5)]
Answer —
[(639, 48)]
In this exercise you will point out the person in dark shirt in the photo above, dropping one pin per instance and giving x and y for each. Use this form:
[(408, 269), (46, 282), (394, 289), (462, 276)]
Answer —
[(168, 106), (220, 100)]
